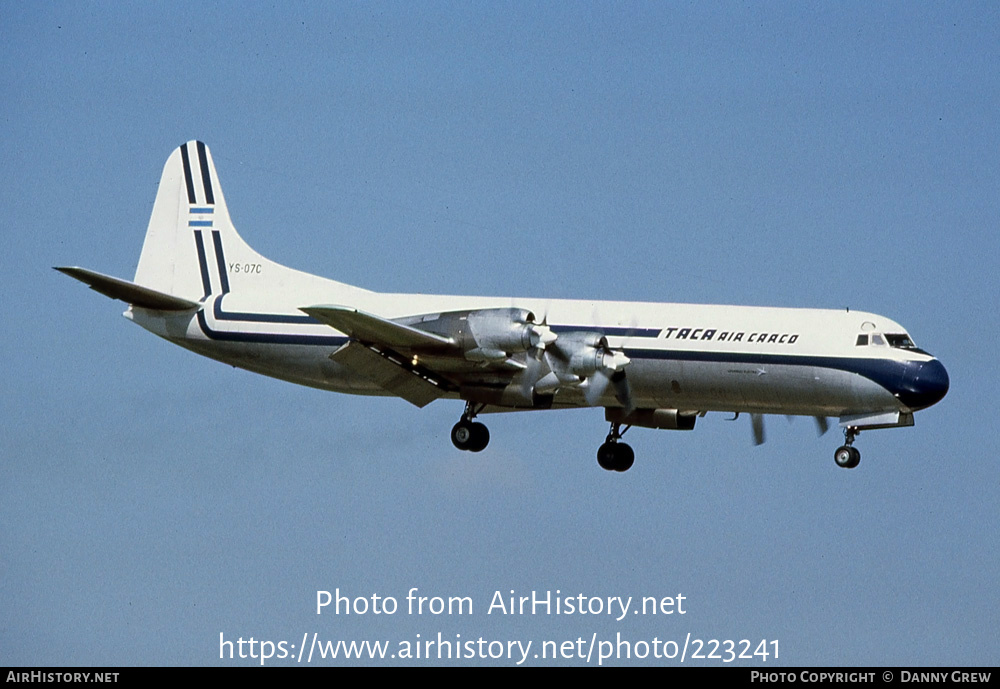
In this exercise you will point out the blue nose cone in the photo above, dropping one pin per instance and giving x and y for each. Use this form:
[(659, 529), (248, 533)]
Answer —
[(923, 383)]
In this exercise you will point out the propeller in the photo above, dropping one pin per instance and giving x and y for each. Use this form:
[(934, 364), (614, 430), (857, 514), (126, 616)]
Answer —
[(598, 383), (822, 424), (606, 368), (757, 423), (578, 359), (537, 368), (493, 334), (575, 359), (541, 335), (538, 375), (623, 392)]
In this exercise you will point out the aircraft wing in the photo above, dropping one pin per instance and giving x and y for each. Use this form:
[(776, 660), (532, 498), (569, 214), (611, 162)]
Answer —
[(368, 328), (500, 356), (374, 352), (129, 292)]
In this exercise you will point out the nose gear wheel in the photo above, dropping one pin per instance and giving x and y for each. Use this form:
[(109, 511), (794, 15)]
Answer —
[(848, 456)]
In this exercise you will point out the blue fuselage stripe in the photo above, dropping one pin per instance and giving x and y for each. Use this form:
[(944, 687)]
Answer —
[(221, 315), (268, 338), (614, 331)]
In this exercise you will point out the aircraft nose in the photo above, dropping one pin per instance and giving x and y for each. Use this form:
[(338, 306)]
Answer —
[(923, 383)]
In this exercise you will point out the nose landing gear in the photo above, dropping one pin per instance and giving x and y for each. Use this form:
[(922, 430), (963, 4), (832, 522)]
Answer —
[(846, 455)]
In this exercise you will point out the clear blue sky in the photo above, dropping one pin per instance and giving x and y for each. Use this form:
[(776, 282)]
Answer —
[(788, 154)]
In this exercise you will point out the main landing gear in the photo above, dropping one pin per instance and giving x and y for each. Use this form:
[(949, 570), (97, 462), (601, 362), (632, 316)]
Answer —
[(848, 456), (614, 455), (468, 434)]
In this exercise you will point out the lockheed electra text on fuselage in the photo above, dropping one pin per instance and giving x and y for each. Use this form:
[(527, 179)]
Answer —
[(199, 285)]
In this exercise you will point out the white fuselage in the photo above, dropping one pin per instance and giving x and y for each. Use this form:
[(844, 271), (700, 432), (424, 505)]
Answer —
[(683, 356)]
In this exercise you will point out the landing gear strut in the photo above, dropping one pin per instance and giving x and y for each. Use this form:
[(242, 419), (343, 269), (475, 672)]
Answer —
[(614, 455), (848, 456), (468, 434)]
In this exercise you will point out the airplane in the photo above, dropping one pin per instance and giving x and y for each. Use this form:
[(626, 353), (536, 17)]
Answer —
[(652, 365)]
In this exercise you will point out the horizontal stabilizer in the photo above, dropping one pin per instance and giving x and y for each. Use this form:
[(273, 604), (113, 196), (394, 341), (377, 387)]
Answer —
[(414, 385), (375, 330), (129, 292)]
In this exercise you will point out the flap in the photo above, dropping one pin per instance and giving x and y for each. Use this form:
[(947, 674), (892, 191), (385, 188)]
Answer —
[(413, 383), (373, 329)]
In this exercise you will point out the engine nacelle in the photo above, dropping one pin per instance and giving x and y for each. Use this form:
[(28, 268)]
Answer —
[(489, 335), (507, 330), (669, 419), (511, 396)]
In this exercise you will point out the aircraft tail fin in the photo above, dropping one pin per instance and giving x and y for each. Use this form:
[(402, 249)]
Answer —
[(190, 233)]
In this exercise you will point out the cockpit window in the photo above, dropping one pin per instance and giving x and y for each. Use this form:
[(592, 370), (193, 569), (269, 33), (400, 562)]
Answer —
[(903, 341), (877, 339), (862, 341)]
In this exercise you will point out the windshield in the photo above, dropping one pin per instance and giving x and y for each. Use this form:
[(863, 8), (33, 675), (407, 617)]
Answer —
[(903, 341)]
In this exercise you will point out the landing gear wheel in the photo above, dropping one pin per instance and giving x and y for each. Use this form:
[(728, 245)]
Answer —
[(468, 434), (480, 437), (615, 456), (607, 455), (462, 435), (626, 457), (847, 457)]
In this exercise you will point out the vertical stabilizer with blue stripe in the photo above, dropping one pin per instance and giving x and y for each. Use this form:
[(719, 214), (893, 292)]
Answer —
[(183, 253)]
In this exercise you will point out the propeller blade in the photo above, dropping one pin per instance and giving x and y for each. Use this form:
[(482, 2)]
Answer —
[(822, 424), (623, 391), (757, 422), (533, 371), (596, 385), (547, 384)]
